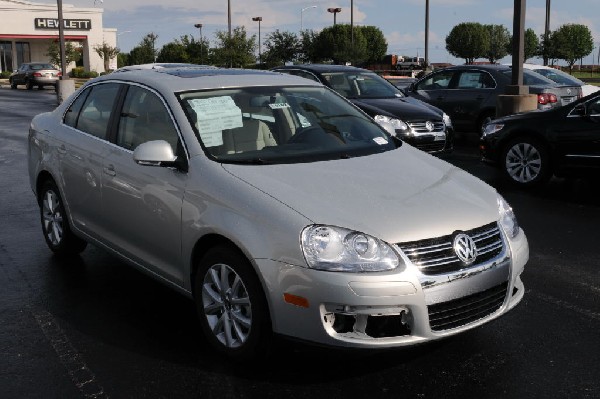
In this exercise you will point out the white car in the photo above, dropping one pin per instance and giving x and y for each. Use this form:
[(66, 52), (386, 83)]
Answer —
[(562, 77), (277, 206)]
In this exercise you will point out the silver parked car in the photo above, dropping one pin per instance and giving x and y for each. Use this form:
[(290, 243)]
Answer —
[(38, 74), (272, 202)]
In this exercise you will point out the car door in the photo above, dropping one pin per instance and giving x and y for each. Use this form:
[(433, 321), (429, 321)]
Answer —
[(433, 89), (579, 136), (142, 204), (469, 94), (83, 145)]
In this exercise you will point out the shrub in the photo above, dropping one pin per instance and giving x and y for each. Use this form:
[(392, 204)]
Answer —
[(4, 74)]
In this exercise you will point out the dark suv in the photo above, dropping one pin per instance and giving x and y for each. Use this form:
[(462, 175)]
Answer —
[(468, 93), (32, 74), (420, 124)]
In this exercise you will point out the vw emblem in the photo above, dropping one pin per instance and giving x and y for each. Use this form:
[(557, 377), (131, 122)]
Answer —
[(569, 91), (464, 248), (429, 126)]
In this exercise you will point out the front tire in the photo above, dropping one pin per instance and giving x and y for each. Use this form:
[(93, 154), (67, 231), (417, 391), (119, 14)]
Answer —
[(29, 85), (526, 162), (231, 305), (55, 225), (13, 85)]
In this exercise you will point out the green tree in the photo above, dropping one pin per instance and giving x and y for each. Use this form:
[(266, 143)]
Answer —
[(498, 42), (531, 45), (334, 44), (573, 42), (145, 52), (306, 51), (106, 52), (549, 48), (235, 51), (73, 53), (468, 40), (173, 52), (280, 48), (372, 40)]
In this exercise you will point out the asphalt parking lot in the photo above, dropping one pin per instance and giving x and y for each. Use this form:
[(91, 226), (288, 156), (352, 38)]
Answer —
[(95, 328)]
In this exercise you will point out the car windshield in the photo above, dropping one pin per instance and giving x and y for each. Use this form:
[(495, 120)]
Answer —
[(264, 125), (559, 77), (361, 85)]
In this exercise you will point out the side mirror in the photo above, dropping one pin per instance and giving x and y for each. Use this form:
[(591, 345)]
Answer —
[(154, 153), (579, 109)]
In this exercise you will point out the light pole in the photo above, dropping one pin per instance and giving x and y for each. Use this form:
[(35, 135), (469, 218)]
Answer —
[(258, 19), (334, 11), (302, 14), (199, 26), (426, 34), (546, 32)]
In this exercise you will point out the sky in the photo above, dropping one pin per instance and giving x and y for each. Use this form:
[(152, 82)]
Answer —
[(401, 21)]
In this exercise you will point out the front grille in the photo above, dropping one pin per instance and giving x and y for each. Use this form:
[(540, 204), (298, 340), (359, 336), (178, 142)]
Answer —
[(420, 127), (465, 310), (436, 255), (433, 146)]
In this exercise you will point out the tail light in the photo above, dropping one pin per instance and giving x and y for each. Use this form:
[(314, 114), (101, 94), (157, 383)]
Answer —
[(37, 74), (59, 74), (547, 98)]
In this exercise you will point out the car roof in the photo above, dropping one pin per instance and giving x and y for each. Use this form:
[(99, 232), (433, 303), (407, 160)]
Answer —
[(161, 65), (198, 78), (320, 68), (489, 67)]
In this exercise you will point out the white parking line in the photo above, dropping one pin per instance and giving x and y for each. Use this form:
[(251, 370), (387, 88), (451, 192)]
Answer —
[(80, 374)]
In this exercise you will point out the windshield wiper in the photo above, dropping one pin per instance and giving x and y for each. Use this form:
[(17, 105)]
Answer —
[(251, 161)]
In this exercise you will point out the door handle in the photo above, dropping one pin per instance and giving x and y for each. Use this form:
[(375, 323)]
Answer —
[(440, 98), (62, 149), (110, 170)]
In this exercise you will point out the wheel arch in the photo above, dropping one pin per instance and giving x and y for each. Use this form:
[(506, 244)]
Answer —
[(209, 241), (42, 178)]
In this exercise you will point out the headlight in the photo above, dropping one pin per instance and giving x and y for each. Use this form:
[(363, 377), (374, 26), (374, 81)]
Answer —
[(446, 119), (396, 123), (492, 128), (337, 249), (508, 220)]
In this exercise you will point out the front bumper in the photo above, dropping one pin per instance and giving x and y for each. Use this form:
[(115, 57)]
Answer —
[(392, 309)]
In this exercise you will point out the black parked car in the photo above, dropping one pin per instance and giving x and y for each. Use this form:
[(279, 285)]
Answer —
[(532, 146), (415, 122), (469, 93), (32, 74)]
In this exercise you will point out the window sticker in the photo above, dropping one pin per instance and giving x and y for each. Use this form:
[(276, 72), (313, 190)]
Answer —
[(380, 140), (279, 105), (216, 114)]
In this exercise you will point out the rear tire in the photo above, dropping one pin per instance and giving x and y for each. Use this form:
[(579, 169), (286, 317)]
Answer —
[(231, 305), (55, 224), (526, 162)]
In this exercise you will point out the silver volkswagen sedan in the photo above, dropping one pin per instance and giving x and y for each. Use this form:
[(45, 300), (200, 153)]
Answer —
[(268, 200)]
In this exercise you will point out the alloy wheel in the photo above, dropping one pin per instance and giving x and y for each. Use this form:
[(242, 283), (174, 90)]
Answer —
[(226, 305), (523, 162), (52, 217)]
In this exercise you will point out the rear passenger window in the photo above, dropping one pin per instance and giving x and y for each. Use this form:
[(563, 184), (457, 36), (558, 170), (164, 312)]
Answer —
[(91, 113)]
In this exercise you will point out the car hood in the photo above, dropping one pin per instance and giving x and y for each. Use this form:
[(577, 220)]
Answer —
[(400, 195), (399, 107)]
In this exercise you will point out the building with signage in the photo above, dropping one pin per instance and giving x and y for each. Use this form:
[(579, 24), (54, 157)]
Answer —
[(27, 29)]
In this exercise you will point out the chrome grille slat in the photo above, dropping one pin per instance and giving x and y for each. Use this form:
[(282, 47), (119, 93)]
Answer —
[(436, 256)]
